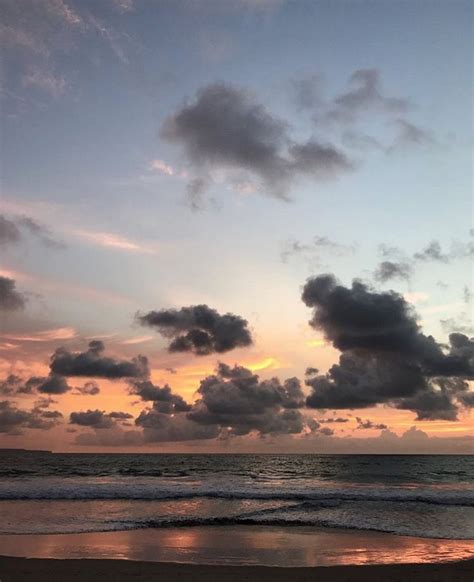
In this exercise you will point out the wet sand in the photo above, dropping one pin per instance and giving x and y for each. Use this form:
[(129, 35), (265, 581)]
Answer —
[(45, 570), (241, 546), (242, 554)]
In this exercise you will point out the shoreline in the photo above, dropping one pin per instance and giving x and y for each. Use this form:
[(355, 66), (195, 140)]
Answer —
[(92, 570)]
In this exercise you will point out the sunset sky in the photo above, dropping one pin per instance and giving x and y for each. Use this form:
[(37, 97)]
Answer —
[(287, 162)]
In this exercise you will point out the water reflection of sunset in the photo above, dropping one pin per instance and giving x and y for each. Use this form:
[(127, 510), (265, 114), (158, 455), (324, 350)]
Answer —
[(245, 545)]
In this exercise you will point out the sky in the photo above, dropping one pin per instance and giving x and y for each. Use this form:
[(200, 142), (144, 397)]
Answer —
[(237, 226)]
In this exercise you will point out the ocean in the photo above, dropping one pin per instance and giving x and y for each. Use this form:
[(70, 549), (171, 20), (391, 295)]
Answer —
[(418, 495)]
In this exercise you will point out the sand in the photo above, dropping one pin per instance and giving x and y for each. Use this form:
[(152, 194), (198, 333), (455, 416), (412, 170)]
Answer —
[(47, 570)]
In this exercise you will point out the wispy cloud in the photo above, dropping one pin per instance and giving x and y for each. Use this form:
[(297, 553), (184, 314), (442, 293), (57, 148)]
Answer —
[(162, 167), (316, 343), (43, 284), (50, 83), (8, 346), (60, 333), (108, 239), (138, 340)]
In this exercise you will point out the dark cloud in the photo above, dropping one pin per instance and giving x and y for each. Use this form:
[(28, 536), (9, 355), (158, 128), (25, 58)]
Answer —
[(93, 364), (199, 329), (13, 420), (15, 385), (13, 230), (90, 388), (97, 419), (160, 427), (326, 431), (332, 420), (358, 318), (120, 415), (388, 270), (164, 400), (112, 437), (10, 298), (385, 356), (11, 385), (44, 402), (369, 424), (54, 384), (226, 128), (236, 400), (318, 160)]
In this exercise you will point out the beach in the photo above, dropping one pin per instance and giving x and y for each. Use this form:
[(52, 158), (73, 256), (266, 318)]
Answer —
[(44, 570), (68, 517)]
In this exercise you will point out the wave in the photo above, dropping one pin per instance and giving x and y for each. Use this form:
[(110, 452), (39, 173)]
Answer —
[(150, 491), (289, 516)]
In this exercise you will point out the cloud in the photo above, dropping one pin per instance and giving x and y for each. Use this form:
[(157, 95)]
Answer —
[(306, 92), (332, 420), (12, 384), (97, 419), (10, 298), (35, 36), (160, 427), (163, 399), (389, 270), (54, 384), (110, 240), (9, 232), (14, 420), (363, 97), (137, 340), (13, 230), (60, 333), (93, 364), (196, 189), (318, 246), (90, 388), (385, 356), (112, 437), (123, 5), (235, 400), (46, 81), (162, 167), (409, 134), (226, 129), (199, 329), (432, 252), (369, 424), (364, 94)]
